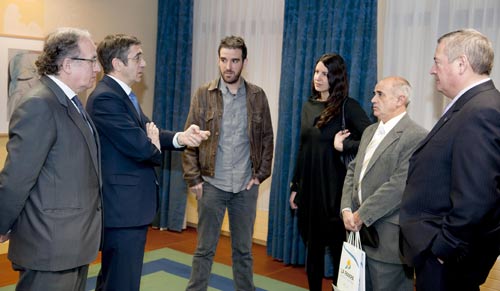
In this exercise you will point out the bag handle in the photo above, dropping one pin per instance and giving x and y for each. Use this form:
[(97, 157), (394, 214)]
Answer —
[(343, 113), (354, 239)]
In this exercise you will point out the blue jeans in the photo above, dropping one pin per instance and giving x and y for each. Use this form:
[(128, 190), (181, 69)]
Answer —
[(241, 209)]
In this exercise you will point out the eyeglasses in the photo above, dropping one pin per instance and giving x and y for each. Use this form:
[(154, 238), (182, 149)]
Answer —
[(92, 61), (137, 58)]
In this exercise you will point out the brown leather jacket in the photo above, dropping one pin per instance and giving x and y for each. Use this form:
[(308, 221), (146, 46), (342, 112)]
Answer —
[(206, 112)]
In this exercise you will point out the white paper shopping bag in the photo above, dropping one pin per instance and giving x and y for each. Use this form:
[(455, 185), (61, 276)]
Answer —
[(351, 275)]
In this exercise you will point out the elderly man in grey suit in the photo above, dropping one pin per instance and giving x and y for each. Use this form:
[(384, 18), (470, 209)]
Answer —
[(50, 204), (375, 181)]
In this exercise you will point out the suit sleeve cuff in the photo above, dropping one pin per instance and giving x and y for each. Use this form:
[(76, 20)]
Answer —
[(442, 249)]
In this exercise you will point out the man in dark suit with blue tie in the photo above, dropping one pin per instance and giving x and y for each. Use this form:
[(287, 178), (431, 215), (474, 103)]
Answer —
[(131, 148), (50, 202), (450, 211)]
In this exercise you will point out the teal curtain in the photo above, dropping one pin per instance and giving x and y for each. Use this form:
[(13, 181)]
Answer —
[(312, 28), (171, 101)]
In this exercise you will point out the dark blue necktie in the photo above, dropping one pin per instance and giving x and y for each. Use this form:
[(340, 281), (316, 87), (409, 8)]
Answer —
[(79, 105), (133, 98)]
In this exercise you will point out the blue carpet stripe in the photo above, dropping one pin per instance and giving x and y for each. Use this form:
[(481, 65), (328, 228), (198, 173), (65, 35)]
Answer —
[(165, 265), (90, 283)]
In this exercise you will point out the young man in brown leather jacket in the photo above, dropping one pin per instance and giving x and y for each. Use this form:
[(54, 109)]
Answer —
[(225, 171)]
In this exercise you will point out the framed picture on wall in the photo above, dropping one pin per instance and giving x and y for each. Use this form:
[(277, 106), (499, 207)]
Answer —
[(18, 72)]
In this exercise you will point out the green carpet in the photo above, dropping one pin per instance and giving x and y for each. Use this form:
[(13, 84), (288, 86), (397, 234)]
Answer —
[(167, 269)]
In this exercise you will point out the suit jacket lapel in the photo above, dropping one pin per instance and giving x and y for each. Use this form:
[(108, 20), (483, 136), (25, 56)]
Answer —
[(97, 157), (391, 137), (74, 115), (442, 121), (118, 89)]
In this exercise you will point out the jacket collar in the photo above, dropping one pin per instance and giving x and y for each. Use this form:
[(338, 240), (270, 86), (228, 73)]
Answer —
[(466, 97), (390, 138), (115, 86), (249, 87)]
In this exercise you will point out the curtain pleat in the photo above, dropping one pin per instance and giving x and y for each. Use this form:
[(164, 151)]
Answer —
[(171, 102)]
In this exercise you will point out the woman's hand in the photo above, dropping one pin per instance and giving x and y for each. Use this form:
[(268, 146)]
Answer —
[(338, 141), (292, 198)]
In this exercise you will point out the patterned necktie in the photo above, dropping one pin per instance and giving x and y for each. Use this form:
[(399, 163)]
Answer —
[(133, 98), (79, 105)]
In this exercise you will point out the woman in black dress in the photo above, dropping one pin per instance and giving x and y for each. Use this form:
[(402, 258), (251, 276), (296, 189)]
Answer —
[(319, 173)]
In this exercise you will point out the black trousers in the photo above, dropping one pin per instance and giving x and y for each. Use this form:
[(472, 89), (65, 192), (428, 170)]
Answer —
[(465, 275), (315, 262)]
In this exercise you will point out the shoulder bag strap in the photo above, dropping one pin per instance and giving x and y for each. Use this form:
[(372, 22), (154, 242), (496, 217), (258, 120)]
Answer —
[(343, 114)]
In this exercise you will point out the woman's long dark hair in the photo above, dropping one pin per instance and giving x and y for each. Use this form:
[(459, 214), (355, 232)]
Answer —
[(339, 87)]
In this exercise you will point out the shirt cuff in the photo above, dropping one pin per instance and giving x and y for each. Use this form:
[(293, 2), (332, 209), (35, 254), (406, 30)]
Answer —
[(346, 209), (175, 141)]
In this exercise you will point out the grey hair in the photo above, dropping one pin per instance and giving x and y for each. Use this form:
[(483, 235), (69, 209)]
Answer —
[(401, 86), (60, 44), (474, 45)]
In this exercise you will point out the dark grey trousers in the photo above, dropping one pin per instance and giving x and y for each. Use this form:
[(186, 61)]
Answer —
[(67, 280)]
